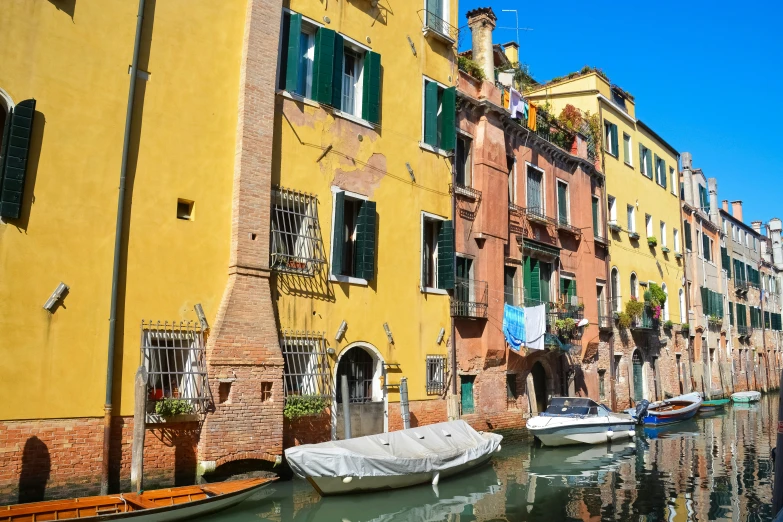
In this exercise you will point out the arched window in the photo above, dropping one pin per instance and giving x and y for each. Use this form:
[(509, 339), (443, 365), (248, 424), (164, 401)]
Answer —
[(615, 282), (682, 306), (634, 286), (665, 304)]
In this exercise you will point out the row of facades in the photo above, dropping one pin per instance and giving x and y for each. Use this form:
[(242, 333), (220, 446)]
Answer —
[(338, 197)]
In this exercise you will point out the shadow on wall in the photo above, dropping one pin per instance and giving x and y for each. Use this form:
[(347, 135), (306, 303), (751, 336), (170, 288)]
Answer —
[(36, 468), (66, 6)]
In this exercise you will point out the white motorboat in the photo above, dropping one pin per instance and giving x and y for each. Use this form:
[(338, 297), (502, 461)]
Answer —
[(580, 420), (748, 396), (392, 460)]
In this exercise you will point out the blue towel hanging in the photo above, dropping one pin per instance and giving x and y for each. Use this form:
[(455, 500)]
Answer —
[(514, 326)]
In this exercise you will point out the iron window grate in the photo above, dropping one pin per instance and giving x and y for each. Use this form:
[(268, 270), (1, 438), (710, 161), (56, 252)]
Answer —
[(296, 242), (174, 356), (436, 374), (306, 368)]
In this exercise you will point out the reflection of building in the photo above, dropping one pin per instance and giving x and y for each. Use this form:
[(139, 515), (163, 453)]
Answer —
[(362, 239), (529, 231)]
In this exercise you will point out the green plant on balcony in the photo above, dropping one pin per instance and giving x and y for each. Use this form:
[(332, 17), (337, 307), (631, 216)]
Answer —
[(623, 320), (668, 324), (170, 407), (472, 68), (685, 328), (634, 308), (714, 320), (302, 405), (652, 241), (565, 327)]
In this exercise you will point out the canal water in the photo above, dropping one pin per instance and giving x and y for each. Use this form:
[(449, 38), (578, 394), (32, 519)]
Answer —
[(714, 467)]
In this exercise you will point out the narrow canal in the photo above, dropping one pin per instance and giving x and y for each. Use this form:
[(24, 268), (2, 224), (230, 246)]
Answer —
[(714, 467)]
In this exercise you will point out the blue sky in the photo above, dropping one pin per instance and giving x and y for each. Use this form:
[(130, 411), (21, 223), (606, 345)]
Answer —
[(707, 77)]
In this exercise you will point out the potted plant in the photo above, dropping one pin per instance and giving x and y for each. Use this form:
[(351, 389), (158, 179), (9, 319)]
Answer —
[(634, 308), (678, 255), (303, 405), (633, 235), (565, 328), (668, 324), (172, 409), (652, 241), (685, 328), (623, 320)]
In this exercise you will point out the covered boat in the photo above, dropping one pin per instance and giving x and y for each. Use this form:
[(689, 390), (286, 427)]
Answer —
[(680, 408), (713, 405), (580, 420), (748, 396), (157, 505), (392, 460)]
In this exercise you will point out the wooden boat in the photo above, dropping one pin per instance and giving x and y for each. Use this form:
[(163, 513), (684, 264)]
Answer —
[(158, 505), (748, 396), (713, 405), (680, 408), (392, 460)]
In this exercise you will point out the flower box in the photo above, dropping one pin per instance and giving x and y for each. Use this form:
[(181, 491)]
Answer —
[(665, 250), (633, 235)]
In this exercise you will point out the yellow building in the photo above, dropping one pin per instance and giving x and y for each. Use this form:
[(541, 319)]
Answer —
[(643, 216), (362, 240)]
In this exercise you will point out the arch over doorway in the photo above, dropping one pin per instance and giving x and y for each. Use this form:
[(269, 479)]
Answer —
[(363, 365), (539, 385)]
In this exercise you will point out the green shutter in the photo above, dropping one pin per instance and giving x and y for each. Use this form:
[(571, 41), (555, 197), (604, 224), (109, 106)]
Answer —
[(446, 256), (649, 166), (595, 217), (664, 174), (365, 241), (562, 203), (338, 233), (705, 243), (337, 73), (17, 149), (615, 146), (532, 279), (731, 313), (371, 91), (656, 159), (323, 66), (705, 301), (766, 320), (431, 113), (448, 131), (641, 158), (688, 240), (294, 53)]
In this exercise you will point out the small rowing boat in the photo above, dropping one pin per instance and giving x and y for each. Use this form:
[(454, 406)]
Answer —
[(157, 505), (748, 396), (713, 405), (677, 409)]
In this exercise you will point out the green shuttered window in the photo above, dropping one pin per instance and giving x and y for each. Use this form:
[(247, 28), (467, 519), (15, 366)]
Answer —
[(439, 116), (323, 66), (688, 239), (371, 91), (446, 256), (17, 149), (353, 237)]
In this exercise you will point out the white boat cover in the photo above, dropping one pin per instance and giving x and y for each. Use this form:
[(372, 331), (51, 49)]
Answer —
[(426, 449)]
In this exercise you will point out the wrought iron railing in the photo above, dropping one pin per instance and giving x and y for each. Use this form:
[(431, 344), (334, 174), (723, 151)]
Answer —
[(296, 243), (462, 190), (306, 366), (616, 303), (563, 224), (432, 21), (741, 285), (645, 321), (470, 298), (605, 321), (516, 210), (744, 331), (547, 128), (538, 214)]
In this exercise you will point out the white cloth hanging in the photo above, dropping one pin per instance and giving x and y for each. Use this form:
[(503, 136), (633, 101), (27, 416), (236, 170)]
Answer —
[(535, 327), (515, 103)]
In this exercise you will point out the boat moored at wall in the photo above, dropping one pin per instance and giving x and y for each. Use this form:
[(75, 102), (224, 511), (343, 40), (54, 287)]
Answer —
[(580, 420)]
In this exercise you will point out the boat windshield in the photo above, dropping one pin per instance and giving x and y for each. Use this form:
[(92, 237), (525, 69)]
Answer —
[(572, 406)]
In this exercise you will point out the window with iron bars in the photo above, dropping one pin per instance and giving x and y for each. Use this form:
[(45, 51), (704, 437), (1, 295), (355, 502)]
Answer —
[(174, 356), (436, 374), (296, 243), (306, 370)]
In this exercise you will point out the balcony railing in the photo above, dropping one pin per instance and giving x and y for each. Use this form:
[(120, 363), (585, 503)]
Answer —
[(563, 224), (462, 190), (741, 285), (470, 298), (434, 23), (601, 239), (605, 321), (744, 331), (538, 214), (645, 321)]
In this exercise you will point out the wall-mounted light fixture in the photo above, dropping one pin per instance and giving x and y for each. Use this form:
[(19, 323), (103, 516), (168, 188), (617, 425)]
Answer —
[(58, 293), (440, 335), (413, 47), (410, 171), (388, 333), (340, 331), (201, 317)]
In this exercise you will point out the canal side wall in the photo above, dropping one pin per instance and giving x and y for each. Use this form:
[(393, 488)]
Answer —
[(61, 458)]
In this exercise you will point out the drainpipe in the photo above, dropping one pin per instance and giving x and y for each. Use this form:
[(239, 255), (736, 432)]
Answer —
[(454, 271), (117, 248)]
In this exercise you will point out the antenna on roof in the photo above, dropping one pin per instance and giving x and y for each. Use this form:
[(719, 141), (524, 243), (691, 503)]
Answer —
[(517, 28)]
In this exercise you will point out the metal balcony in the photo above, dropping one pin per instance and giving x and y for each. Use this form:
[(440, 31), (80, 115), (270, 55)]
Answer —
[(470, 299), (645, 321), (744, 331), (564, 225)]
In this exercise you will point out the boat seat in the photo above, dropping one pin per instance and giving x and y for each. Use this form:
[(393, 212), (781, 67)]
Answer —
[(210, 492), (107, 510), (138, 501)]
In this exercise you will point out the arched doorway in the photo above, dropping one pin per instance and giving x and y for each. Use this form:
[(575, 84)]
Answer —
[(362, 365), (539, 385), (638, 376)]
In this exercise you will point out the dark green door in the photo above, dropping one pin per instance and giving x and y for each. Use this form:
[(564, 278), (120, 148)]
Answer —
[(539, 385), (467, 394), (532, 280), (638, 379), (562, 203), (545, 275)]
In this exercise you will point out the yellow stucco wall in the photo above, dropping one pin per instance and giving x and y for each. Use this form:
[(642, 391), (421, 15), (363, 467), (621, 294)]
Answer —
[(630, 187), (74, 61), (374, 167)]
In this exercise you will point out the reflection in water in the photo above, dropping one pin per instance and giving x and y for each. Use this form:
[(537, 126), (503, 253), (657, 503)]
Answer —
[(714, 467)]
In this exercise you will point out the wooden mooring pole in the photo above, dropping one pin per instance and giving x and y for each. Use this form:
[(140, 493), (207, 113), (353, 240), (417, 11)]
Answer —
[(139, 425)]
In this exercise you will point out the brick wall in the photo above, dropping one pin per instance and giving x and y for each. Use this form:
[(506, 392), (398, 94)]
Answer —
[(422, 413), (311, 429), (59, 458)]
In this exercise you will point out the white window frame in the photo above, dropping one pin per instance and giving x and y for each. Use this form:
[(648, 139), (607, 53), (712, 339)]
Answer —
[(676, 234), (725, 228), (612, 203), (733, 233), (660, 176), (747, 240), (465, 137), (665, 303), (648, 225), (607, 138), (341, 278), (543, 184), (567, 202), (633, 288), (512, 176), (631, 214), (428, 216), (444, 15), (682, 306), (359, 52), (643, 159), (629, 156), (663, 234)]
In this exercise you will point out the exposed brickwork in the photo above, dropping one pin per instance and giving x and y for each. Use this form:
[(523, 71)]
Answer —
[(311, 429), (59, 458), (422, 413)]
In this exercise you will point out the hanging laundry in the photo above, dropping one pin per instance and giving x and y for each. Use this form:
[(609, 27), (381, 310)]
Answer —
[(515, 104), (531, 120), (525, 110), (535, 327), (506, 99), (514, 326)]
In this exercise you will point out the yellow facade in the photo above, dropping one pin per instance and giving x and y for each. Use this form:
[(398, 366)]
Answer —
[(629, 186), (320, 152), (73, 58)]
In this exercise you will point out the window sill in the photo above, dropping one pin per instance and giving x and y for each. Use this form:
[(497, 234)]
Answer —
[(628, 165), (614, 155), (436, 291), (436, 150), (298, 98), (429, 31), (351, 117), (348, 279)]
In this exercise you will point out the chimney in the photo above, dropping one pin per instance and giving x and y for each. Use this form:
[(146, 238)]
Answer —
[(774, 228), (712, 187), (736, 209), (725, 205), (756, 225), (687, 177), (481, 22), (511, 49)]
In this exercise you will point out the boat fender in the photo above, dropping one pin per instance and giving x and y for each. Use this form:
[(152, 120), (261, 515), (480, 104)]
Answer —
[(632, 433), (498, 448), (436, 479), (347, 480)]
